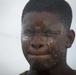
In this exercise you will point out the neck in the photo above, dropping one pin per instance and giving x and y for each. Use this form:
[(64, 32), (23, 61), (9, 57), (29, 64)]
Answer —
[(62, 69)]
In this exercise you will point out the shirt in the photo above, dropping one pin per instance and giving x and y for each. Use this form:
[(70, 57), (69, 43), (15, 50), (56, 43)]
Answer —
[(25, 73)]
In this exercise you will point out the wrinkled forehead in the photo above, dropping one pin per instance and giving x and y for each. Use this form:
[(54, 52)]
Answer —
[(42, 20), (40, 16)]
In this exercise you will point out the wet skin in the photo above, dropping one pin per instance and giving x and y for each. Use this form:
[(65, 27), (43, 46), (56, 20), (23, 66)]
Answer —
[(44, 40)]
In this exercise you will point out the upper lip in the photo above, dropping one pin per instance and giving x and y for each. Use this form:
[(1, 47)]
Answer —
[(38, 54), (43, 51)]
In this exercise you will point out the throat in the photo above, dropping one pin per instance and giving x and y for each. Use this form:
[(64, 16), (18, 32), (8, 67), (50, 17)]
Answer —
[(61, 70), (39, 73), (44, 73)]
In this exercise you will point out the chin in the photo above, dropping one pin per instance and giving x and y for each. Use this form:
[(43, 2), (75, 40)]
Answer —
[(38, 66), (41, 66)]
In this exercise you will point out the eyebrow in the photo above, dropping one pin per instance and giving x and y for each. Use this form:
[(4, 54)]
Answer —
[(51, 29), (28, 30)]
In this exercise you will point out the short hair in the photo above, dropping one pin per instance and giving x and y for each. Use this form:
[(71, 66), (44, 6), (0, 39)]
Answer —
[(60, 7)]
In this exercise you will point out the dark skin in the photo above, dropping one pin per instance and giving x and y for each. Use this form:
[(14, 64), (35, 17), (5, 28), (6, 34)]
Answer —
[(44, 43)]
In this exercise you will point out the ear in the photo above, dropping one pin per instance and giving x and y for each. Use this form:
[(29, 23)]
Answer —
[(70, 38)]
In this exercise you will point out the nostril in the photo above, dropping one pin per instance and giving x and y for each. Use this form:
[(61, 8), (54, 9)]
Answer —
[(37, 45), (40, 46), (32, 45)]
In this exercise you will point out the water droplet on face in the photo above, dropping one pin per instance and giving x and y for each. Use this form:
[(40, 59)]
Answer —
[(61, 50), (51, 60), (51, 41), (44, 22), (55, 55), (55, 63), (25, 38)]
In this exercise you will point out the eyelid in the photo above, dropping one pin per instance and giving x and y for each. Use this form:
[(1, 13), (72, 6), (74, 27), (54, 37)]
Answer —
[(47, 31), (50, 33), (29, 30)]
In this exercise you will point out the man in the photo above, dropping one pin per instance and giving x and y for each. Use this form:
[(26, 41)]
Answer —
[(46, 35)]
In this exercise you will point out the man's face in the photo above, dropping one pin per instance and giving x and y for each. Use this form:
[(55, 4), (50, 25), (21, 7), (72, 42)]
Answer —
[(43, 40)]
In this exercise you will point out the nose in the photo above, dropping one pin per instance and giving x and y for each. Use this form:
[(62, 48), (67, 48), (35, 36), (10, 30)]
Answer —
[(37, 46), (38, 42)]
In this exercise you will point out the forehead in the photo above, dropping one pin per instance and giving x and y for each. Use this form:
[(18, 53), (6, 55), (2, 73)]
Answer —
[(42, 20)]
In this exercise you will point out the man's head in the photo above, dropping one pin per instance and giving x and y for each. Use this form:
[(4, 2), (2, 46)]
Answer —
[(59, 7), (46, 33)]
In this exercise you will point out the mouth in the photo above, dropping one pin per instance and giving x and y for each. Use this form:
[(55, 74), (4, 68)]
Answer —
[(38, 56), (38, 52)]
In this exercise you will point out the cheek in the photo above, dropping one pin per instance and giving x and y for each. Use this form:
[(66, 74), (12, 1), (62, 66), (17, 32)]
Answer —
[(53, 44), (25, 40), (56, 47), (25, 44)]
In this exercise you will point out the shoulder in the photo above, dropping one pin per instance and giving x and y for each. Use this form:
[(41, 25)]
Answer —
[(74, 72), (24, 73)]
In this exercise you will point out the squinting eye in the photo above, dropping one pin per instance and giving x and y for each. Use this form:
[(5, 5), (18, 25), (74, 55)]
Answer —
[(29, 33), (48, 34)]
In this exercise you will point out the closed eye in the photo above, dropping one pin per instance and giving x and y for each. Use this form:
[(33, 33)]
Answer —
[(49, 33), (28, 32)]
